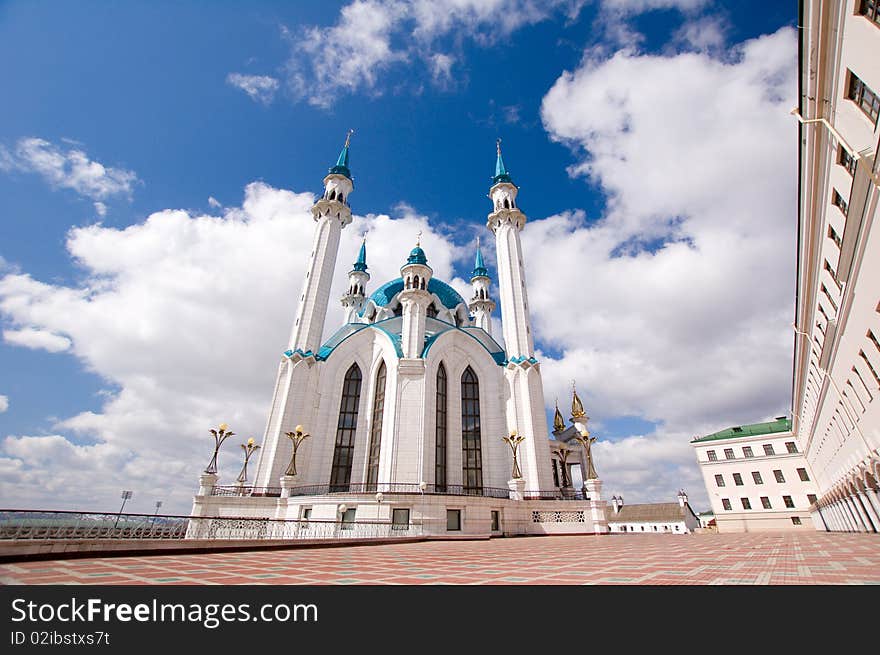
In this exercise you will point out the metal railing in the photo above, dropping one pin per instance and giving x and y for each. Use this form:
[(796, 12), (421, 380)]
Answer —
[(365, 488), (69, 525)]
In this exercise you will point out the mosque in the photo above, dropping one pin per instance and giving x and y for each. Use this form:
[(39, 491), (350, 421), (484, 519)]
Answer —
[(412, 413)]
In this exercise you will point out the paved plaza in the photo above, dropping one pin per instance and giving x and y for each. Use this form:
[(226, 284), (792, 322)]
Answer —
[(754, 559)]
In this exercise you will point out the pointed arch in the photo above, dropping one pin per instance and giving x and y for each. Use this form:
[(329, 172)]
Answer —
[(376, 429), (471, 447), (343, 453), (332, 194), (440, 430)]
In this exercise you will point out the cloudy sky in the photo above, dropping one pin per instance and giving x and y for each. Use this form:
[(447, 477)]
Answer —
[(158, 162)]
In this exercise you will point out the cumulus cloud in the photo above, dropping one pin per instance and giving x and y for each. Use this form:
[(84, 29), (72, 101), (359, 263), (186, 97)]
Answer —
[(68, 169), (260, 88), (186, 316), (678, 300), (4, 403)]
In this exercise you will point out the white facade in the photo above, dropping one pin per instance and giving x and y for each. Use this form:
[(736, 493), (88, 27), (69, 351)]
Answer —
[(757, 478), (836, 387), (407, 403), (654, 518)]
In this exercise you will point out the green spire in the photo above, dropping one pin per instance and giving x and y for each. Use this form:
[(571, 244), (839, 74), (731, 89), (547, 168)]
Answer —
[(501, 174), (361, 263), (480, 269), (341, 167)]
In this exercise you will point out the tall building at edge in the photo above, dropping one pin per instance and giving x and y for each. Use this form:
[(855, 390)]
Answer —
[(416, 415), (836, 372)]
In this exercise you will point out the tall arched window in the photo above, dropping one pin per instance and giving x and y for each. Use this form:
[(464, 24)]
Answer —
[(471, 451), (376, 430), (440, 431), (343, 455)]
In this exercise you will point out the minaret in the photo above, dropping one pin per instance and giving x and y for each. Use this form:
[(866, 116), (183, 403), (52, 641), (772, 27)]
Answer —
[(506, 221), (331, 213), (415, 299), (525, 401), (481, 305), (353, 300)]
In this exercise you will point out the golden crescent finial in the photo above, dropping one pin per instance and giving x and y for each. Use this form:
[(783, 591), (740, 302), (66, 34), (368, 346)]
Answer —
[(419, 239), (348, 136), (498, 145)]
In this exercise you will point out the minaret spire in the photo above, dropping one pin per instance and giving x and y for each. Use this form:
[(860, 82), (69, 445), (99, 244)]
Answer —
[(481, 305), (341, 167), (501, 174)]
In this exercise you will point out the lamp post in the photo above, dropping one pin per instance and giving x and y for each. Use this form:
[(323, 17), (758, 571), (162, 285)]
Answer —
[(514, 440), (249, 449), (379, 498), (156, 513), (220, 435), (296, 438), (126, 494)]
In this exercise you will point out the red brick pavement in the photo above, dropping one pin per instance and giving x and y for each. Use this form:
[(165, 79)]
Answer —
[(754, 559)]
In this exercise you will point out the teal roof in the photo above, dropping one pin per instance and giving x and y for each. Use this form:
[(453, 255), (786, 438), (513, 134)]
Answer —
[(417, 256), (361, 263), (780, 424), (448, 296), (341, 167), (501, 174), (479, 267)]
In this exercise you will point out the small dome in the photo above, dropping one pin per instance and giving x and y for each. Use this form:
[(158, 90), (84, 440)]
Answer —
[(417, 256)]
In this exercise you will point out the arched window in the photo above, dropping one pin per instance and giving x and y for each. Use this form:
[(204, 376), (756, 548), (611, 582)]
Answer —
[(440, 432), (506, 204), (408, 283), (431, 311), (423, 283), (341, 198), (332, 194), (471, 451), (415, 281), (376, 430), (343, 455)]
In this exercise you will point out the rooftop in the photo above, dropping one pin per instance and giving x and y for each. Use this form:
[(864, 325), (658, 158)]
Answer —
[(779, 424)]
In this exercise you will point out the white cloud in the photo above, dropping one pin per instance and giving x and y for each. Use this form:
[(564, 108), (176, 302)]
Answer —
[(187, 316), (706, 34), (100, 209), (677, 302), (214, 203), (4, 403), (67, 169), (260, 88), (37, 339)]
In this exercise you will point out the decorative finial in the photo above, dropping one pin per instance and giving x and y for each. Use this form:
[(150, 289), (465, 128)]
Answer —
[(348, 136), (419, 239), (498, 145), (478, 243)]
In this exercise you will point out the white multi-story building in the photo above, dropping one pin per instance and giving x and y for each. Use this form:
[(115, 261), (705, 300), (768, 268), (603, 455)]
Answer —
[(408, 403), (836, 376), (757, 478)]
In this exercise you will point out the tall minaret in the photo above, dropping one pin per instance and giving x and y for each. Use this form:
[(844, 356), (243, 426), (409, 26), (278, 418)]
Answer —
[(506, 221), (481, 305), (331, 213), (415, 299), (353, 300), (525, 403)]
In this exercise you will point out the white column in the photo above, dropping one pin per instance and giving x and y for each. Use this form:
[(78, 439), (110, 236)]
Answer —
[(871, 495), (869, 511), (867, 526), (858, 526)]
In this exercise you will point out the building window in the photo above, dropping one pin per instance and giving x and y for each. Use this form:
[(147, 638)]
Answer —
[(306, 513), (719, 480), (870, 367), (343, 455), (555, 473), (400, 519), (756, 476), (765, 502), (796, 520), (870, 334), (712, 456), (828, 295), (472, 456), (745, 503), (791, 446), (725, 503), (747, 452), (846, 160), (838, 201), (768, 449), (376, 431), (440, 431), (737, 479), (348, 519), (811, 498), (832, 234), (453, 520), (803, 475), (496, 521), (728, 453), (779, 476), (871, 10), (788, 501), (866, 99)]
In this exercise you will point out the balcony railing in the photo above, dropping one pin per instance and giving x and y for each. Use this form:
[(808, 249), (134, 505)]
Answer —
[(364, 488)]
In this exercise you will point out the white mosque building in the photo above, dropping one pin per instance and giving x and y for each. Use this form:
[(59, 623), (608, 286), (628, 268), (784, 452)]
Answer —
[(416, 416)]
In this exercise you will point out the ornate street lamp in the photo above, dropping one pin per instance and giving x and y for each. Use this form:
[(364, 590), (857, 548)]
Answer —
[(126, 494), (296, 438), (220, 435), (514, 440), (249, 449), (587, 442), (562, 454)]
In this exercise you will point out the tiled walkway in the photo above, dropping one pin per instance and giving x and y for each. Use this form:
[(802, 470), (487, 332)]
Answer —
[(806, 558)]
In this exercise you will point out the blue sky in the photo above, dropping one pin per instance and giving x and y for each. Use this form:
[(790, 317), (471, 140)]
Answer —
[(149, 91)]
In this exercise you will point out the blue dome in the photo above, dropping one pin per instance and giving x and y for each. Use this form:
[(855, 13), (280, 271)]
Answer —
[(417, 256), (448, 296)]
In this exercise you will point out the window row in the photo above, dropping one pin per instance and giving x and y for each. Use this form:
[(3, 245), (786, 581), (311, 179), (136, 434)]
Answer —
[(870, 9), (747, 451), (864, 97), (746, 503), (757, 479)]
